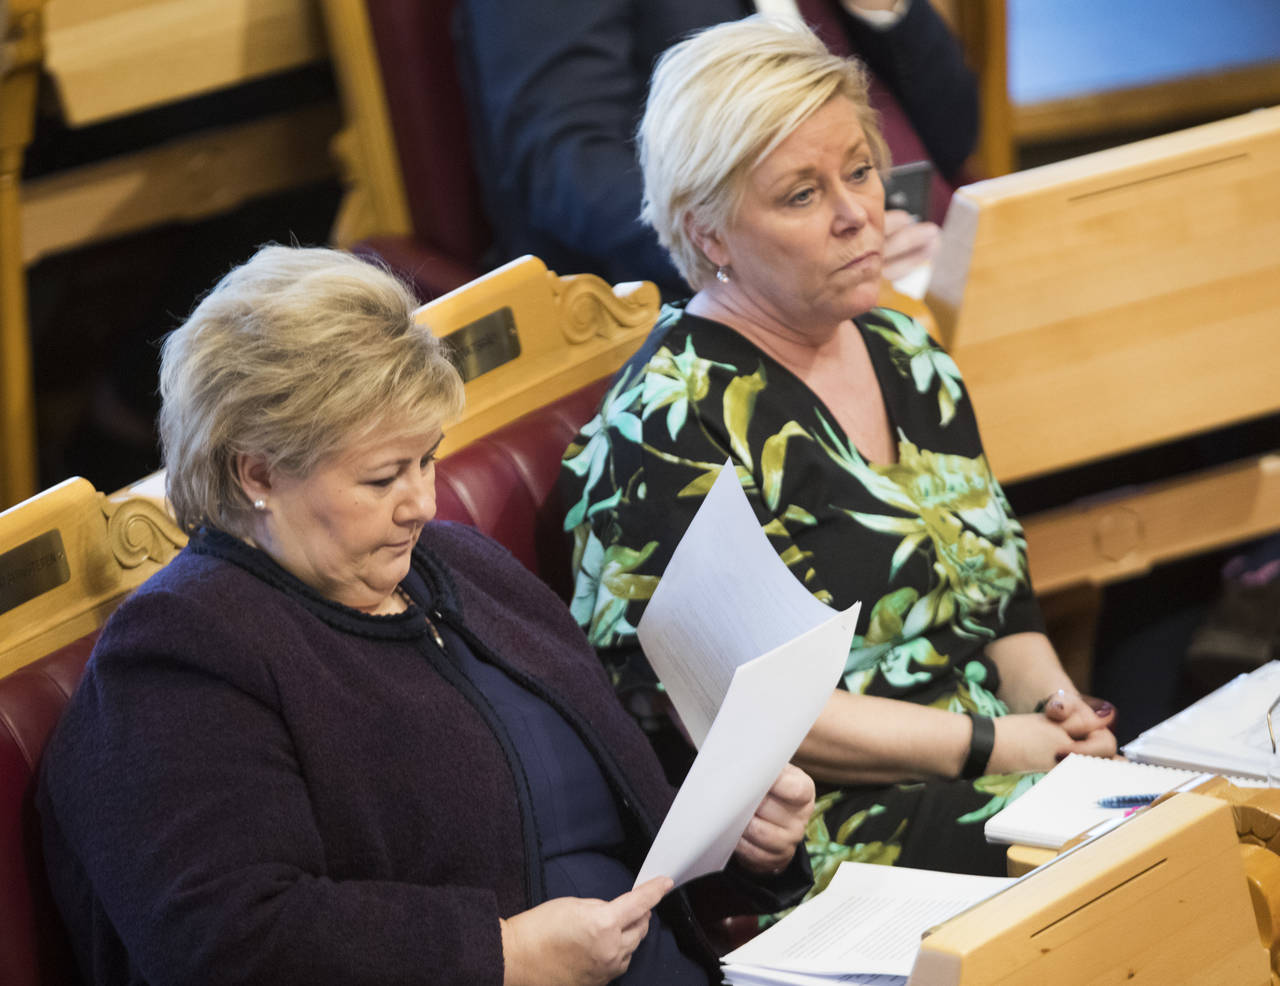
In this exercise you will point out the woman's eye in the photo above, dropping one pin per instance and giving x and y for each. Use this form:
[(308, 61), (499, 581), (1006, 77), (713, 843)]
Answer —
[(382, 481), (802, 197), (861, 173), (427, 460)]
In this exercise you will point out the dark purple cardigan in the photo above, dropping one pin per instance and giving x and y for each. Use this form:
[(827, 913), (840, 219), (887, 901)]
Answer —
[(255, 785)]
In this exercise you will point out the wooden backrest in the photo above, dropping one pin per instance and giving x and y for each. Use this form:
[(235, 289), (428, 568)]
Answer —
[(68, 556), (556, 334)]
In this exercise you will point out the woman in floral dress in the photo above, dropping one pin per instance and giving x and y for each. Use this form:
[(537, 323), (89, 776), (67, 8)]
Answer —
[(855, 441)]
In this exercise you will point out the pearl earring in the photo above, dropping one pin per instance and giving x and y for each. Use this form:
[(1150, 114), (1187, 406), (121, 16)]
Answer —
[(722, 275), (260, 504)]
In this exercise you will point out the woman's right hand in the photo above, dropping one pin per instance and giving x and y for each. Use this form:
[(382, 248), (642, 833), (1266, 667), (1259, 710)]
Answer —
[(578, 941), (1032, 741)]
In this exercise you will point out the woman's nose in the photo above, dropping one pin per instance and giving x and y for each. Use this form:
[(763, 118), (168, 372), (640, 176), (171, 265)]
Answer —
[(851, 210), (419, 502)]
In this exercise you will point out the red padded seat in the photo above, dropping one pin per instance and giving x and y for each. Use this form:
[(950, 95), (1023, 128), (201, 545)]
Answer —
[(503, 484), (33, 947)]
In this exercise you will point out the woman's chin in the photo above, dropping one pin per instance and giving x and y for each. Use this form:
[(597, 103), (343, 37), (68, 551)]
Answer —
[(860, 300)]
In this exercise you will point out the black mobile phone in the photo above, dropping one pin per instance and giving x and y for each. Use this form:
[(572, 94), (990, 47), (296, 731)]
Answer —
[(908, 187)]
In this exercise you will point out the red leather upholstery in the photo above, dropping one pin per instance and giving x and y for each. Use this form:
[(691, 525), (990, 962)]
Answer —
[(33, 946), (503, 484), (414, 41)]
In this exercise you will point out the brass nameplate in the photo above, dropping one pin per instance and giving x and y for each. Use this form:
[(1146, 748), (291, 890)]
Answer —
[(484, 344), (31, 569)]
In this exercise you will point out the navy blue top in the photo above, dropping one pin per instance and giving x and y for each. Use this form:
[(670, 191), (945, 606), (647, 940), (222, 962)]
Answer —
[(579, 828)]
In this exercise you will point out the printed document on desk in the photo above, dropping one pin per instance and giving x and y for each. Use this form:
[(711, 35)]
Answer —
[(867, 923), (749, 659)]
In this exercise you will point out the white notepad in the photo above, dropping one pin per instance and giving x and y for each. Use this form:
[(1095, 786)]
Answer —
[(1065, 803)]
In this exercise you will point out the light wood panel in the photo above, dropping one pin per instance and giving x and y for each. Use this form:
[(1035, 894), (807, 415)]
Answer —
[(111, 57), (982, 27), (1148, 107), (572, 329), (187, 179), (1162, 899), (109, 545), (1117, 300), (375, 200), (1127, 534)]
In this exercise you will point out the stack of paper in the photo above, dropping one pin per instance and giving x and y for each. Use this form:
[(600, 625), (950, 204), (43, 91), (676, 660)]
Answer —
[(1065, 803), (865, 928), (1225, 732)]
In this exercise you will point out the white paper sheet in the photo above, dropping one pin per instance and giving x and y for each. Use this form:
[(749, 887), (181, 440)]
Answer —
[(749, 658), (724, 599), (869, 920), (771, 704), (736, 975)]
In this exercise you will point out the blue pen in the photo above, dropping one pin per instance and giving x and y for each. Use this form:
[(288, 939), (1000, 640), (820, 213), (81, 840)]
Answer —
[(1127, 800)]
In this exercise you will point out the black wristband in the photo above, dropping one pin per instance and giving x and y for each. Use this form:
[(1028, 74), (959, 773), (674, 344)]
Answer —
[(980, 746)]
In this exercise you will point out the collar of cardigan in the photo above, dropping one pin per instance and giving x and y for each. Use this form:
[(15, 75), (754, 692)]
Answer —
[(408, 625)]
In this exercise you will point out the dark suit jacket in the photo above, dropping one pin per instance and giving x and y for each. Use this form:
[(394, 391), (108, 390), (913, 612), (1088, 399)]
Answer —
[(557, 87)]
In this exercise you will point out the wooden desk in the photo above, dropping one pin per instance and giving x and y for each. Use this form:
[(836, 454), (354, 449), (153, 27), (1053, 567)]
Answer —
[(1114, 302)]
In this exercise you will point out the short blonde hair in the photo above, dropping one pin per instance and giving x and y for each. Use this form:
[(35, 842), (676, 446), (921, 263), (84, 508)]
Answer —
[(719, 102), (293, 356)]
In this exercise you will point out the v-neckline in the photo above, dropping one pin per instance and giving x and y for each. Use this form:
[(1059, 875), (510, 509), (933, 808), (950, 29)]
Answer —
[(876, 368)]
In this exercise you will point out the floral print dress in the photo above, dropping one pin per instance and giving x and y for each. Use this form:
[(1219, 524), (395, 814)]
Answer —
[(928, 544)]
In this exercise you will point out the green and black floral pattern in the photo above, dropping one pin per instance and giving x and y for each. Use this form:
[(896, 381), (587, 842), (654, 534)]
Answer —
[(927, 543)]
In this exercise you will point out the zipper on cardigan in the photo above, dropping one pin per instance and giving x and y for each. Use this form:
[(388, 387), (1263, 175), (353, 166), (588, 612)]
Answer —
[(435, 634)]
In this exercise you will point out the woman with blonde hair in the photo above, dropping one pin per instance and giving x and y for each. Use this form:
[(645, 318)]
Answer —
[(334, 742), (853, 436)]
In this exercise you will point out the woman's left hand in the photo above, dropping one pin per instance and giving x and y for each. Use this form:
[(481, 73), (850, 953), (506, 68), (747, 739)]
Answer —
[(1080, 715), (778, 825)]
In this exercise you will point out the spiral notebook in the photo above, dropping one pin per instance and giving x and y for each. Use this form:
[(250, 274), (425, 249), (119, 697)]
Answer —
[(1226, 731), (1065, 803)]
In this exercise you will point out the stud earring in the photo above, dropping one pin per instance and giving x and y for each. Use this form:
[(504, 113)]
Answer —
[(260, 504), (722, 275)]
